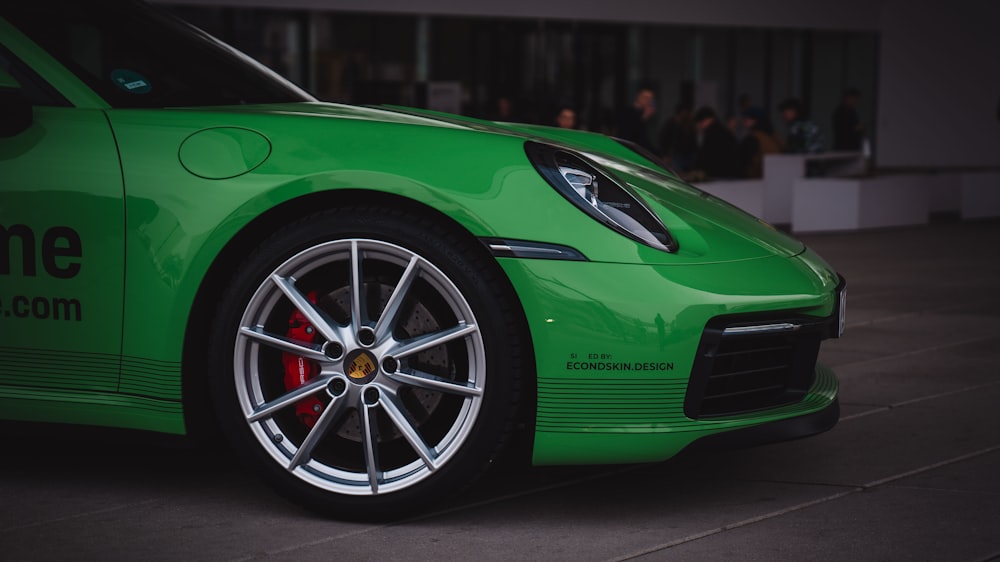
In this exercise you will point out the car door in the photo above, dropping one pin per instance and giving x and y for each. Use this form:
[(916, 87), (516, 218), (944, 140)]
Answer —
[(61, 241)]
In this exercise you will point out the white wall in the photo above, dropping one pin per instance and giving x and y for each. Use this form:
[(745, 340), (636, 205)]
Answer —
[(939, 84)]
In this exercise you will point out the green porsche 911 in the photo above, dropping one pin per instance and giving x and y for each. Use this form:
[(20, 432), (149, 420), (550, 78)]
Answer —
[(368, 303)]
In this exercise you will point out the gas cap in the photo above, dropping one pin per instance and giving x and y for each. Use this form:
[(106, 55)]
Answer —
[(223, 152)]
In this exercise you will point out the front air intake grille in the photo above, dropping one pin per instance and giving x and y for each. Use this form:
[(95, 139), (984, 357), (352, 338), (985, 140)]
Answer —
[(745, 365)]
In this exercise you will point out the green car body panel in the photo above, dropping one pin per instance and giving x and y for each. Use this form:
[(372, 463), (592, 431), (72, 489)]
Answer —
[(114, 221)]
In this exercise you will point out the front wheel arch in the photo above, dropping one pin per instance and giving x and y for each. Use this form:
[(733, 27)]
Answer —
[(199, 420), (199, 414)]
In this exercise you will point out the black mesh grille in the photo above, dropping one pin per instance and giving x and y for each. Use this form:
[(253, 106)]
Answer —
[(741, 372)]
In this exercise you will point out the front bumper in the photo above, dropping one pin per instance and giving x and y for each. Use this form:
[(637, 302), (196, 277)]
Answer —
[(771, 432), (614, 368)]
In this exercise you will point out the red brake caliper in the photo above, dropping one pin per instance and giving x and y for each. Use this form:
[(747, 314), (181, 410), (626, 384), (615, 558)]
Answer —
[(298, 370)]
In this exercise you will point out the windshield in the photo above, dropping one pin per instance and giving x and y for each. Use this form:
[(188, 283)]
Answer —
[(138, 56)]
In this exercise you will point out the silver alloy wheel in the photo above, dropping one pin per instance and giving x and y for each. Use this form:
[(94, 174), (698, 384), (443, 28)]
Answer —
[(375, 379)]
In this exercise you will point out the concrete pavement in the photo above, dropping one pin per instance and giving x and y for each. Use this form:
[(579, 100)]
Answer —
[(909, 473)]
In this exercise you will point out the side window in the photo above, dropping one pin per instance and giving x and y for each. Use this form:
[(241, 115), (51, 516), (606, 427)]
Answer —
[(38, 91), (135, 55)]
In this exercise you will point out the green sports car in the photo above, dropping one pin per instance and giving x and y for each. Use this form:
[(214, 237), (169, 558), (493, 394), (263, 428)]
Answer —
[(368, 303)]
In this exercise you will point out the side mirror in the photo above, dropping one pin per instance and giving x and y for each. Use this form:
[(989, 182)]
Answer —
[(16, 114)]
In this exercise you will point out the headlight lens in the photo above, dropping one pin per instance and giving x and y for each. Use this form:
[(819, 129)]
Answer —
[(609, 201)]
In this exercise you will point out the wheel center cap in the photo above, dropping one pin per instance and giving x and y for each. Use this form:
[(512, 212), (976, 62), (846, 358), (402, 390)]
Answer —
[(361, 366)]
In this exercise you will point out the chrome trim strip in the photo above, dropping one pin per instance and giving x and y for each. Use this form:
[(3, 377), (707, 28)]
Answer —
[(761, 329), (842, 313), (534, 250), (521, 249)]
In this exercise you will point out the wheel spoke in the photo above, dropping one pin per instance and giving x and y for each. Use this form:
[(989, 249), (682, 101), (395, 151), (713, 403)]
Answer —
[(267, 410), (407, 427), (359, 317), (315, 316), (434, 339), (427, 381), (369, 432), (330, 415), (308, 351), (373, 291), (388, 318)]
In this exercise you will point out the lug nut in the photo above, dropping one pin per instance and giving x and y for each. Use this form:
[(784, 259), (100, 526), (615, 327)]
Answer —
[(366, 336), (334, 350), (390, 365), (337, 387)]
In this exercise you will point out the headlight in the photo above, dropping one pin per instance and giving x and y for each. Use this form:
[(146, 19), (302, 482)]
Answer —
[(609, 201)]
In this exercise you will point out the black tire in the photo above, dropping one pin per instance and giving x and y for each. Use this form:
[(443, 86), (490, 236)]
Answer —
[(388, 416)]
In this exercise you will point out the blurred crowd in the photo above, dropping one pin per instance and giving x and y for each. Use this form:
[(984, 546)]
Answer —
[(699, 144)]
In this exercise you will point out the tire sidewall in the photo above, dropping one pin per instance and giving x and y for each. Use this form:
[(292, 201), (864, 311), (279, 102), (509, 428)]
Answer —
[(477, 277)]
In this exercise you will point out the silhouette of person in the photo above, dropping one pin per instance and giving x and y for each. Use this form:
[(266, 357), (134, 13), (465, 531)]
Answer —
[(566, 118), (678, 140), (848, 132), (634, 119), (502, 110), (735, 123), (718, 152), (759, 140), (803, 136)]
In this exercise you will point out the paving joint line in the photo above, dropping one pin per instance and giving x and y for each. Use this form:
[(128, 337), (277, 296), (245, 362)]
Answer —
[(918, 351), (805, 505), (446, 511), (78, 515), (878, 409), (910, 314)]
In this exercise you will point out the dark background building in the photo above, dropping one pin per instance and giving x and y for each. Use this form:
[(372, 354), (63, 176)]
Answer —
[(926, 71)]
